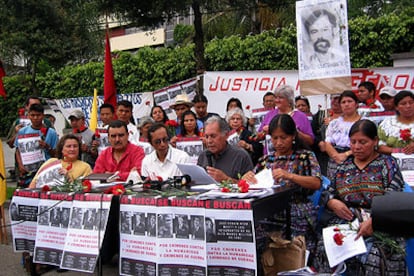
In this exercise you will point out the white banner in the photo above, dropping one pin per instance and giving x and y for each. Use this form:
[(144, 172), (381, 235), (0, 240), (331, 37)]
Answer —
[(250, 86)]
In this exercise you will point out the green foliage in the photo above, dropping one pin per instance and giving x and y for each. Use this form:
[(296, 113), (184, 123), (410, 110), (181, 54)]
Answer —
[(183, 34), (372, 41)]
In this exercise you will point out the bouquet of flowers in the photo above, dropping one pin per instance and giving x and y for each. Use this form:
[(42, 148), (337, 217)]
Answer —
[(405, 135), (171, 126), (228, 187), (77, 185)]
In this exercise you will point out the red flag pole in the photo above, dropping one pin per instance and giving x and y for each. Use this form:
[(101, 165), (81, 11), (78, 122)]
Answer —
[(2, 74), (109, 81)]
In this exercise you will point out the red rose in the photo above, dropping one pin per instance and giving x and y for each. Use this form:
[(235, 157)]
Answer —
[(87, 185), (159, 178), (247, 107), (339, 238), (405, 134), (147, 103), (171, 123), (225, 190), (243, 186), (118, 189), (45, 188), (21, 112), (336, 229)]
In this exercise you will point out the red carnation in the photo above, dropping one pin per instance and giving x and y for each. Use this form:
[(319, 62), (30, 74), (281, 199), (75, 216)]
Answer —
[(171, 123), (118, 189), (243, 186), (339, 238), (160, 179), (147, 103), (21, 112), (97, 134), (225, 190), (247, 107), (45, 188), (87, 185), (405, 134)]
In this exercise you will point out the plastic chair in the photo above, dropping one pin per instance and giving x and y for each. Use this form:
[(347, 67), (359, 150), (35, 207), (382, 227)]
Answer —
[(316, 196)]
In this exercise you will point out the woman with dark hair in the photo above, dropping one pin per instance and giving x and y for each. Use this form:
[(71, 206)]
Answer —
[(337, 140), (396, 133), (233, 103), (361, 177), (302, 104), (188, 124), (68, 155), (292, 164), (158, 114)]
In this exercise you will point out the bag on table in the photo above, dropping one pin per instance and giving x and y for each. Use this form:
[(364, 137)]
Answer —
[(282, 255)]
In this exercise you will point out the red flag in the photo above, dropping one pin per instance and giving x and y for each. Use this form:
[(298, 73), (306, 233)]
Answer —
[(109, 81), (2, 74)]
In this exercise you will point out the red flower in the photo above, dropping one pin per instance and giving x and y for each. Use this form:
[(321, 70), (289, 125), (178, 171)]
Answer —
[(160, 179), (118, 189), (43, 130), (45, 188), (225, 190), (21, 112), (87, 185), (147, 103), (243, 186), (247, 107), (339, 238), (405, 134), (97, 134), (171, 123)]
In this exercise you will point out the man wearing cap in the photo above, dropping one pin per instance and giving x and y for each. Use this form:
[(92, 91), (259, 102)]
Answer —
[(386, 97), (85, 135), (181, 105)]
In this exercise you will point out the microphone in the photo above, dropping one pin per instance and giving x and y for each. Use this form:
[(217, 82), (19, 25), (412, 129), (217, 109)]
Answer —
[(209, 155)]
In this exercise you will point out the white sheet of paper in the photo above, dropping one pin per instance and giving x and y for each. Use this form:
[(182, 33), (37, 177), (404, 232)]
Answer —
[(351, 247), (264, 179), (197, 173)]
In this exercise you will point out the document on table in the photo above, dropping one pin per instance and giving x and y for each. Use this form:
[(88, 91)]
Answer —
[(197, 174), (264, 179)]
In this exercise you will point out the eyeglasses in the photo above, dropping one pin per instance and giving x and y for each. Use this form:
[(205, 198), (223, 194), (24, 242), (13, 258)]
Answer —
[(162, 140)]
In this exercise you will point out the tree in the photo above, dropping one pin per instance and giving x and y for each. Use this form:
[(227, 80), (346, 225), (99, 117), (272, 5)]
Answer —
[(49, 32)]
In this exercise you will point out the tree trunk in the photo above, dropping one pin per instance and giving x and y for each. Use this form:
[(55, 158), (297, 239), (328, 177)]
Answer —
[(198, 38)]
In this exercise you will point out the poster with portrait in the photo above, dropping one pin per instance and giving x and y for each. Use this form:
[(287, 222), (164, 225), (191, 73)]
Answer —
[(230, 236), (138, 226), (145, 145), (323, 45), (88, 218), (181, 237), (49, 175), (258, 114), (103, 138), (31, 153), (52, 226), (23, 212), (234, 138), (192, 146), (406, 164)]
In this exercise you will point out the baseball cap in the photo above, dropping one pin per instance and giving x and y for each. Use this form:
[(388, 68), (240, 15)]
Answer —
[(388, 90), (77, 114)]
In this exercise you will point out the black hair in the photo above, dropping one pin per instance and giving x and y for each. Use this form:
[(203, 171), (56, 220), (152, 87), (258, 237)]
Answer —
[(37, 108), (303, 98), (315, 16), (62, 142), (163, 112), (368, 85), (117, 124), (236, 100), (126, 103), (199, 98), (349, 94), (183, 130), (28, 98), (154, 128), (367, 127), (401, 95), (107, 105), (286, 123), (268, 94)]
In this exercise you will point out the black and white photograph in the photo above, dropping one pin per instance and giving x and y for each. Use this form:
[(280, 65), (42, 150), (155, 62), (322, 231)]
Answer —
[(65, 215), (55, 216), (43, 218), (151, 225), (322, 39), (76, 218), (89, 219), (138, 222), (165, 225), (197, 227), (126, 222), (181, 227), (14, 212), (210, 230)]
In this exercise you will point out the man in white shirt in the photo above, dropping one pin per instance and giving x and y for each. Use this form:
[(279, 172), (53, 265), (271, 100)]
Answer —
[(124, 114), (162, 161)]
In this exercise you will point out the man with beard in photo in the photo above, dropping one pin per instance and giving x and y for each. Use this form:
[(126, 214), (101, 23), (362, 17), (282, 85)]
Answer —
[(320, 27)]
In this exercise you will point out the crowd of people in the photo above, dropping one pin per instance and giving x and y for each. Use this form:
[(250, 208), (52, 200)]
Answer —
[(351, 143)]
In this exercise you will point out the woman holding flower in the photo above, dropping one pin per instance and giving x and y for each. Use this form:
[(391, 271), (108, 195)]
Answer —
[(361, 177), (396, 133), (293, 165), (68, 153)]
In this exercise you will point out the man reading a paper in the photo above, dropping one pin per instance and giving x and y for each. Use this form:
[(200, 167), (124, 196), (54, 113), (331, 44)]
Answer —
[(221, 160)]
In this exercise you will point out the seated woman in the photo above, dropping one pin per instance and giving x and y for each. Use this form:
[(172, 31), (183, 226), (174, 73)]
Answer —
[(391, 130), (361, 177), (68, 159), (336, 142), (294, 165), (236, 120)]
